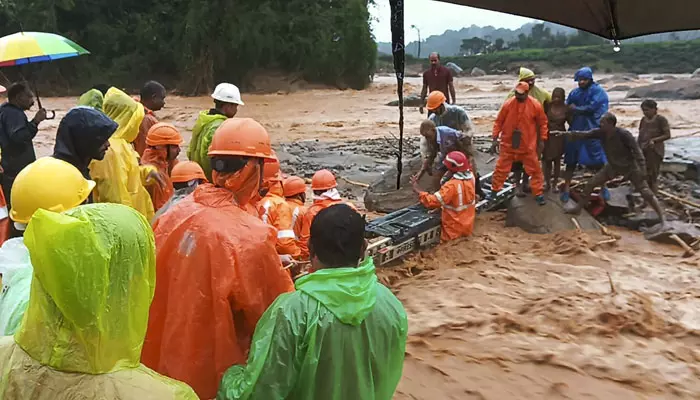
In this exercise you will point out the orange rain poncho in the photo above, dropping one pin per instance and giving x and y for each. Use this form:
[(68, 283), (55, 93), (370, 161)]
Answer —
[(529, 118), (457, 198), (217, 272), (160, 136), (158, 158), (332, 197), (119, 177), (275, 212), (298, 212)]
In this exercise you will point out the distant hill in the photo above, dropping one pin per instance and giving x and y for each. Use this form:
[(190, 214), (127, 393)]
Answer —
[(448, 43)]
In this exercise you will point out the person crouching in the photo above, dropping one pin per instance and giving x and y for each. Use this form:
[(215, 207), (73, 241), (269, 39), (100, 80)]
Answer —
[(456, 197)]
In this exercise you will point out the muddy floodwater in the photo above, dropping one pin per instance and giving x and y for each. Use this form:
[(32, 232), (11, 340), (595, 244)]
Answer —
[(504, 314)]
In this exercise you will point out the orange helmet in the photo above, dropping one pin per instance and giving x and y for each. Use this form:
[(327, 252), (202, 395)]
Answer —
[(294, 186), (323, 180), (163, 134), (241, 137), (186, 171), (435, 99), (272, 170)]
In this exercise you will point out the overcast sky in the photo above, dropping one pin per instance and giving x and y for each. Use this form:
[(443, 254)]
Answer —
[(434, 18)]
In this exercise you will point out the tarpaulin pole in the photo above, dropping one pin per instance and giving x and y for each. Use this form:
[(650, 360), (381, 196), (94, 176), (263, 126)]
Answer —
[(399, 52)]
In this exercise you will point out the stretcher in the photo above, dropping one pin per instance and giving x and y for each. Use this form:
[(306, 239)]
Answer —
[(409, 229)]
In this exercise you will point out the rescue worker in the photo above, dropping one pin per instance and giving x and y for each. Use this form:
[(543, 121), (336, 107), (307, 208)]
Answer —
[(654, 130), (217, 267), (186, 176), (81, 337), (163, 141), (326, 194), (456, 198), (624, 157), (295, 193), (521, 125), (48, 184), (522, 181), (340, 335), (275, 211), (227, 98), (152, 97), (587, 103), (119, 177), (436, 143), (82, 136), (16, 135), (454, 117)]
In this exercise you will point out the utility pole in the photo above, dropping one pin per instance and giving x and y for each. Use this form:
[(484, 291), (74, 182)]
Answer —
[(417, 30)]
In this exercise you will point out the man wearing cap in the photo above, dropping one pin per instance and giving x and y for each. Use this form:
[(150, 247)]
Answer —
[(522, 128), (588, 102), (227, 98), (437, 78)]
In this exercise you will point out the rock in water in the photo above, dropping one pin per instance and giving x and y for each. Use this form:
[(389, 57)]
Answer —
[(620, 88), (679, 89), (478, 72), (527, 215), (454, 68), (412, 100), (696, 74)]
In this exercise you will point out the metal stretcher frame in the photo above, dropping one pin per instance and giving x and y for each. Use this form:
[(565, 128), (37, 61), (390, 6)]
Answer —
[(407, 230)]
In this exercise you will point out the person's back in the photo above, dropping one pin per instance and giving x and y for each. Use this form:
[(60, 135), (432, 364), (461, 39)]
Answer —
[(83, 341), (341, 335), (217, 266)]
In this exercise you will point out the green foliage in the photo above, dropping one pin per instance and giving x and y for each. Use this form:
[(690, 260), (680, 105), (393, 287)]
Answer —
[(669, 57), (474, 45), (541, 37), (193, 44)]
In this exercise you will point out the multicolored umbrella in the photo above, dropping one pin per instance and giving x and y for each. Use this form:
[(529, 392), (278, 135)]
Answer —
[(32, 47)]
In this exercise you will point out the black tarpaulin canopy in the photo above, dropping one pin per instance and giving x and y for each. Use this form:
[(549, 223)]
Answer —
[(611, 19)]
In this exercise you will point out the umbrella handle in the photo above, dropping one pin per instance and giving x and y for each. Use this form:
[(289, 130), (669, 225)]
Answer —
[(52, 114)]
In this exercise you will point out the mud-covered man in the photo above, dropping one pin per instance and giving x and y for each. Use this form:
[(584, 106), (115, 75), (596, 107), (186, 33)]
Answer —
[(624, 158), (436, 143)]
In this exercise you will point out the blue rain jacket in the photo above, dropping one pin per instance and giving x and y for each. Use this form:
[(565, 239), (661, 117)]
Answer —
[(591, 103)]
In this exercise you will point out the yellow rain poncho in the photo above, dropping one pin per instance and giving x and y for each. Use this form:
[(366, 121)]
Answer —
[(541, 95), (119, 177), (82, 334)]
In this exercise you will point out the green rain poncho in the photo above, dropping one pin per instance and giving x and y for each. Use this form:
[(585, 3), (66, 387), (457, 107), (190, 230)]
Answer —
[(202, 133), (82, 334), (92, 98), (541, 95), (16, 271), (341, 335)]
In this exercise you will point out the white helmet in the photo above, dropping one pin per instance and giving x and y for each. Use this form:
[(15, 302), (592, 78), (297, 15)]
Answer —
[(227, 93)]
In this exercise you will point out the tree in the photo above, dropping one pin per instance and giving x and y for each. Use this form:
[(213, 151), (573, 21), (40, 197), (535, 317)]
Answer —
[(474, 45), (499, 44)]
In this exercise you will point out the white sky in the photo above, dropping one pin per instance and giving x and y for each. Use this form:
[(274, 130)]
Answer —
[(434, 18)]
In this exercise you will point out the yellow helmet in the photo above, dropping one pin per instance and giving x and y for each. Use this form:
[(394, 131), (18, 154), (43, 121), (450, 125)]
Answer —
[(50, 184)]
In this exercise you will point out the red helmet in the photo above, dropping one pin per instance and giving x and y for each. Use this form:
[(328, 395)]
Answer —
[(456, 161)]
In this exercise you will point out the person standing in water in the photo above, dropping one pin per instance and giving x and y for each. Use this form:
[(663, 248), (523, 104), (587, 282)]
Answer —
[(654, 130), (558, 115), (439, 78)]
